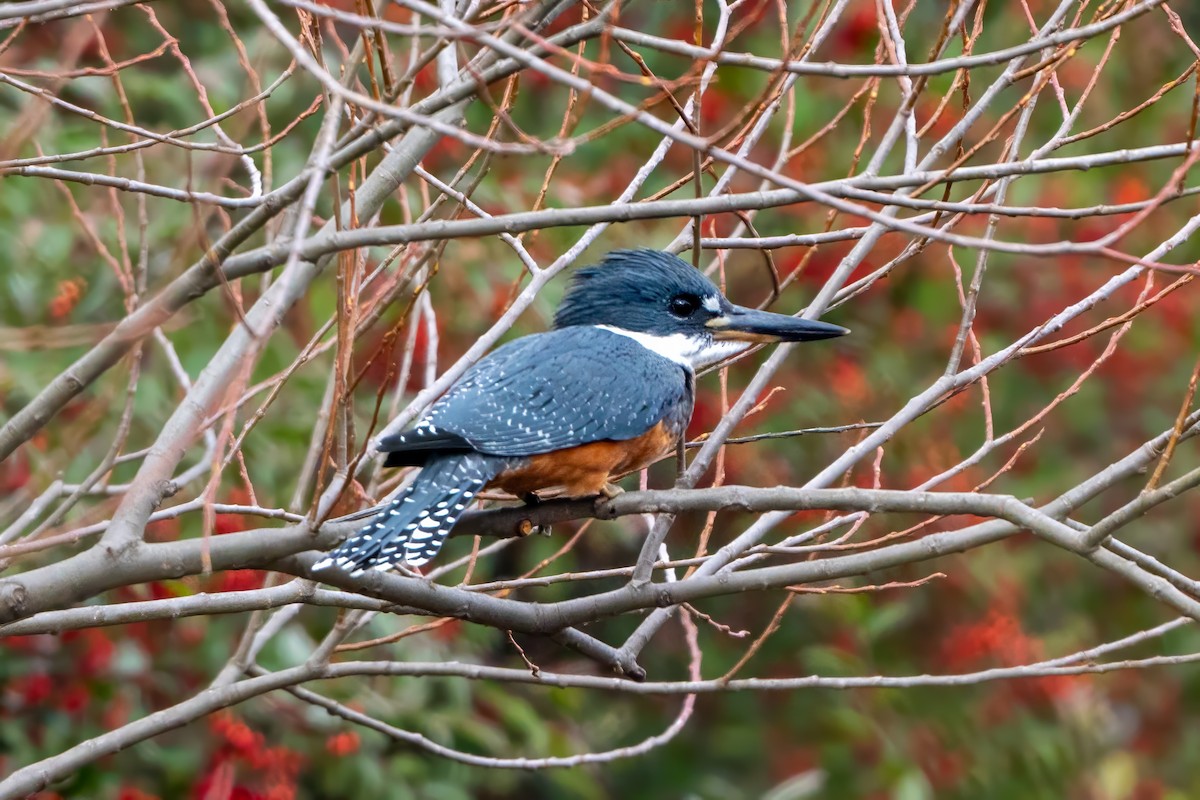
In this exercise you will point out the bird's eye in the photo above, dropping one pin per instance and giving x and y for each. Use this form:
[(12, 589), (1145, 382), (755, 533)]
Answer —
[(684, 305)]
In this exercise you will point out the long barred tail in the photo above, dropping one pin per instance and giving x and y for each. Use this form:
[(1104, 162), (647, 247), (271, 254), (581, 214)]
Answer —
[(412, 527)]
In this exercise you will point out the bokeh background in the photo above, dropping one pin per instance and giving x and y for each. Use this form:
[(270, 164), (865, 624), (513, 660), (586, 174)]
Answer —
[(1127, 734)]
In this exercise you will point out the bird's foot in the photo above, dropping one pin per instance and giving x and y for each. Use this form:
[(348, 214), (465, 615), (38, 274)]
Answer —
[(600, 506), (611, 490), (532, 500)]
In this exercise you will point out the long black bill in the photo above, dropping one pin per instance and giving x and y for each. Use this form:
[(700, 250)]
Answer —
[(750, 325)]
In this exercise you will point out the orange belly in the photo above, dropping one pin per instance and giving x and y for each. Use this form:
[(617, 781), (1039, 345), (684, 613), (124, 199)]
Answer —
[(584, 470)]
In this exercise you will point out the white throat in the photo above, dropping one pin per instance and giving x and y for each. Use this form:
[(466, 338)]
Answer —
[(695, 352)]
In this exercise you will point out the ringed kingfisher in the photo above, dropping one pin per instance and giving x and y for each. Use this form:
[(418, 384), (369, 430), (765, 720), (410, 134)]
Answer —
[(607, 391)]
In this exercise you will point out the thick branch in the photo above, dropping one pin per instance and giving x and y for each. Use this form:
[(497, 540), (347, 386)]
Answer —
[(99, 569)]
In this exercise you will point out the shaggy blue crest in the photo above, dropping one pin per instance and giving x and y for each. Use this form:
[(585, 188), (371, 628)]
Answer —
[(633, 290)]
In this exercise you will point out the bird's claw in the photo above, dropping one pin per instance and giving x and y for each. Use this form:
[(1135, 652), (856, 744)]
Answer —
[(528, 528), (600, 504)]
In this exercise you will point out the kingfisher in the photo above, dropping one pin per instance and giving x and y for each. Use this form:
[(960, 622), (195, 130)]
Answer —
[(607, 391)]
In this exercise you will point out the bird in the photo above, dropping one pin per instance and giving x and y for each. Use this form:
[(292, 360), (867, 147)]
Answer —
[(608, 390)]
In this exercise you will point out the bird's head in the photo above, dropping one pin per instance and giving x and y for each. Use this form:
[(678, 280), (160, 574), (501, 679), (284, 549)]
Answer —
[(672, 308)]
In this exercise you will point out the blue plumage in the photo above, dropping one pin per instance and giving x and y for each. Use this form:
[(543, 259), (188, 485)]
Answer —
[(539, 394), (412, 527), (550, 391)]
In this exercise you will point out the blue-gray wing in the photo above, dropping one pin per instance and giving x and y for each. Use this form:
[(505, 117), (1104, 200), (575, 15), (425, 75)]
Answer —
[(551, 391)]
